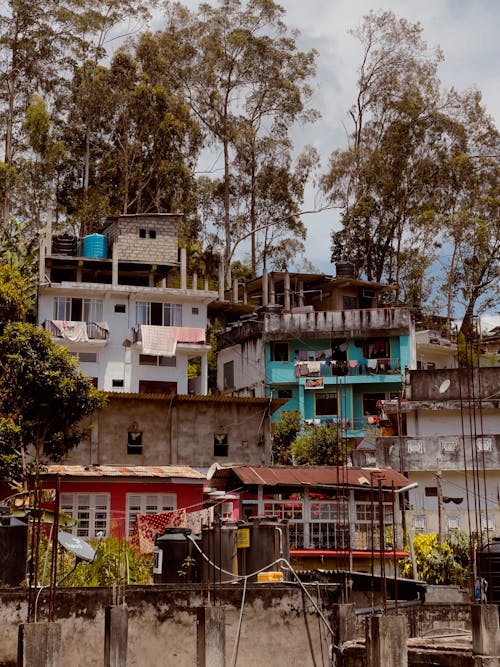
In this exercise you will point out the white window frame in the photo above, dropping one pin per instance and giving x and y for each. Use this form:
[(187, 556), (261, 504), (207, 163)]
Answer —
[(419, 523), (171, 314), (489, 525), (147, 503), (453, 523), (91, 511), (92, 310), (62, 308)]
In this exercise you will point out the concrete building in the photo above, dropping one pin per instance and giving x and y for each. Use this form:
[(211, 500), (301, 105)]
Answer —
[(328, 346), (451, 447), (122, 303), (168, 429)]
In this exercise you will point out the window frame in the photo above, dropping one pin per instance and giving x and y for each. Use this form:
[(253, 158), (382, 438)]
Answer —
[(147, 505), (326, 396), (76, 509)]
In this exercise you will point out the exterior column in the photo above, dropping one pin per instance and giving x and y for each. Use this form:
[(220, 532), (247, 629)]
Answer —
[(39, 645), (204, 373), (287, 292), (272, 291), (210, 637), (221, 281), (265, 288), (115, 636), (386, 641), (114, 265), (183, 257), (485, 630)]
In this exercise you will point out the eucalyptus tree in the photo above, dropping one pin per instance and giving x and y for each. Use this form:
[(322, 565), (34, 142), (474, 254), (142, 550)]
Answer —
[(242, 73)]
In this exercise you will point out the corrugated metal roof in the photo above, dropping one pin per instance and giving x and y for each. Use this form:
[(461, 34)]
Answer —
[(274, 404), (314, 476), (123, 471)]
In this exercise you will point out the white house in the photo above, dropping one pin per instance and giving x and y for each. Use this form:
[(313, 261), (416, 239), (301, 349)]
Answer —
[(122, 303)]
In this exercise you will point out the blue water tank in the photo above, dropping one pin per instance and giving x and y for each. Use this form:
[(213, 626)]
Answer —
[(95, 245)]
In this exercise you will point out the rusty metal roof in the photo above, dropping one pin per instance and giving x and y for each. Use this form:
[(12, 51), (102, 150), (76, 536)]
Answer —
[(313, 476), (122, 471), (272, 404)]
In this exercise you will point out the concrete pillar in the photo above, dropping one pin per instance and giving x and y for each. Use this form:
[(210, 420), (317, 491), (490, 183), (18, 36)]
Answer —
[(286, 302), (204, 374), (183, 254), (39, 645), (265, 288), (386, 641), (301, 293), (343, 622), (194, 286), (115, 636), (485, 630), (114, 264), (235, 291), (272, 291), (211, 637)]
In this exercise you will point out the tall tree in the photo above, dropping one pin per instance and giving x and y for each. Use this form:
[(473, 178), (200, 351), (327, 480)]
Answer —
[(242, 72)]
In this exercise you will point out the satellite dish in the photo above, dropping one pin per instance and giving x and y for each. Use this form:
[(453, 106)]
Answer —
[(75, 545), (444, 386), (212, 470)]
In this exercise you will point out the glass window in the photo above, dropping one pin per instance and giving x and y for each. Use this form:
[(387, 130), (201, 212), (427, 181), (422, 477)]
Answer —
[(91, 510), (326, 403), (172, 315), (143, 312), (148, 504), (221, 446), (92, 310), (159, 314), (62, 308), (370, 403)]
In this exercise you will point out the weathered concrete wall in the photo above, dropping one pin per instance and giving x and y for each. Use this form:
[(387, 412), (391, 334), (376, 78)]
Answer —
[(179, 431), (465, 384), (124, 234), (279, 625)]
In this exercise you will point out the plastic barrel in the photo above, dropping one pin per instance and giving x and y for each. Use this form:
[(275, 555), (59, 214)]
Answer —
[(176, 559), (488, 568), (95, 246), (344, 270)]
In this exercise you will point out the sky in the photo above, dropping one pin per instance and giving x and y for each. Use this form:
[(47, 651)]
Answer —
[(465, 30)]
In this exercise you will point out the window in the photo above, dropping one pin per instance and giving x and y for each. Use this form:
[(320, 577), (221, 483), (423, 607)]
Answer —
[(195, 311), (376, 348), (120, 308), (159, 314), (228, 371), (279, 351), (419, 524), (117, 383), (142, 233), (151, 360), (370, 403), (221, 447), (326, 403), (453, 523), (488, 522), (349, 302), (91, 510), (152, 233), (78, 310), (134, 442), (431, 491), (148, 504)]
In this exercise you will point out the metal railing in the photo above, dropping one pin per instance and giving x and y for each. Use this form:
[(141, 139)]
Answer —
[(94, 331)]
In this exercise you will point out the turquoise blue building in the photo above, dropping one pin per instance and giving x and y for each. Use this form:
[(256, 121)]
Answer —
[(333, 348)]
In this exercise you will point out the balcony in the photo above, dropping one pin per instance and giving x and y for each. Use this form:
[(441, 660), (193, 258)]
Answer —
[(72, 332), (340, 323), (355, 371)]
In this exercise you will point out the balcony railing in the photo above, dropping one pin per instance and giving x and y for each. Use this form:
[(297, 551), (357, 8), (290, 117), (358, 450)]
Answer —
[(329, 524), (77, 331)]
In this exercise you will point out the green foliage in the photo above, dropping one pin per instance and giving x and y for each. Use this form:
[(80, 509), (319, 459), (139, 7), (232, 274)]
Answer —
[(43, 395), (320, 445), (116, 562), (445, 563), (15, 297), (285, 431)]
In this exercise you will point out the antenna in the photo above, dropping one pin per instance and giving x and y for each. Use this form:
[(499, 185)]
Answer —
[(82, 550)]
